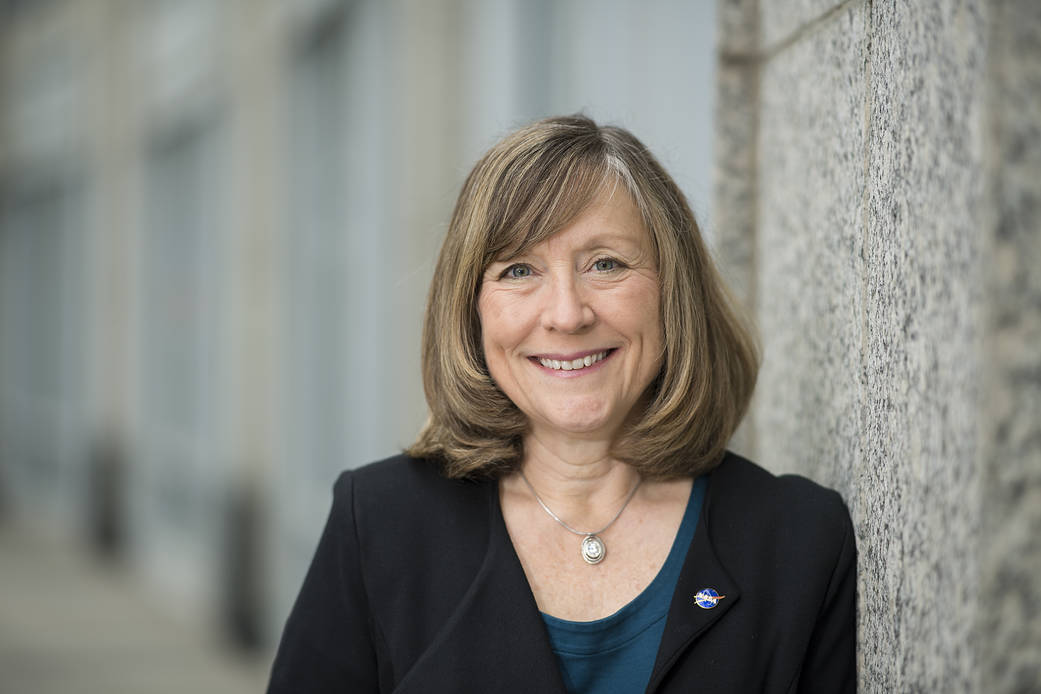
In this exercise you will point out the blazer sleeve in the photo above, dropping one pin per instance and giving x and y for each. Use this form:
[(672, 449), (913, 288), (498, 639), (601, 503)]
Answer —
[(327, 644), (831, 660)]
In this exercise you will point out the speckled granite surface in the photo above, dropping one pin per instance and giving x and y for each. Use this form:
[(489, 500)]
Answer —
[(779, 21), (808, 299), (919, 487), (737, 27), (892, 264), (1010, 541), (735, 176), (736, 118)]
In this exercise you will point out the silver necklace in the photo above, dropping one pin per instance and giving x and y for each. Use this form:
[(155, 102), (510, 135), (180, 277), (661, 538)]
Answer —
[(593, 548)]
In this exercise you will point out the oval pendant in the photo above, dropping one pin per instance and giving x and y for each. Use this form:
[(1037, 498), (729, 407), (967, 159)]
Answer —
[(593, 549)]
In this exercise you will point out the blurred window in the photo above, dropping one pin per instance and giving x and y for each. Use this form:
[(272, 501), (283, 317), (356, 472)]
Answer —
[(318, 269), (178, 318), (42, 343)]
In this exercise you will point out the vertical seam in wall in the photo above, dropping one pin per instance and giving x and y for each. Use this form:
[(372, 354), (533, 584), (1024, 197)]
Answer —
[(862, 271), (865, 208)]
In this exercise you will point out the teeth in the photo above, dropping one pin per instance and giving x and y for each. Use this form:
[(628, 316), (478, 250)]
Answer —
[(575, 364)]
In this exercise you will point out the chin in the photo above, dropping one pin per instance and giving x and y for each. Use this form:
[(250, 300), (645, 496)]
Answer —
[(581, 426)]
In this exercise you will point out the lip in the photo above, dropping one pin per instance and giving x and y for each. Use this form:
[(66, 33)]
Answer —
[(574, 373)]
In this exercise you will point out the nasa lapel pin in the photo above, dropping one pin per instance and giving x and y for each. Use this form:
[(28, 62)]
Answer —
[(707, 598)]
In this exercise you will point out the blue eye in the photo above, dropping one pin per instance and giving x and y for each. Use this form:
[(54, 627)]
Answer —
[(606, 265), (517, 271)]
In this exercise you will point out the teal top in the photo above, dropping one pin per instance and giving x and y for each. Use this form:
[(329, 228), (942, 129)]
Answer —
[(615, 655)]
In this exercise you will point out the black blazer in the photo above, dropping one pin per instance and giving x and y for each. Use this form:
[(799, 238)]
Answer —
[(415, 587)]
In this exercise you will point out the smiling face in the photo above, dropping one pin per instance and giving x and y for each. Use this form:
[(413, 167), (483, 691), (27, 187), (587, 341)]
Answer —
[(570, 328)]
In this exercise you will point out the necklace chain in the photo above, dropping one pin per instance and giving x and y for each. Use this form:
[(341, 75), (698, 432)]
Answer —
[(568, 527)]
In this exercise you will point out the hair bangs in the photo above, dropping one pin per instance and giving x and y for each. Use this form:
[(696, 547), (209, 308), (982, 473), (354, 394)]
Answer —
[(541, 199)]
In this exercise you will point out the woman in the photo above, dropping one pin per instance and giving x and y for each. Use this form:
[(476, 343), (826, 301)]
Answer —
[(569, 518)]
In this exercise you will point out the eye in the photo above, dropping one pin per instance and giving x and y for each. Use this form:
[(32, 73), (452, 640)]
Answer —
[(517, 271), (606, 265)]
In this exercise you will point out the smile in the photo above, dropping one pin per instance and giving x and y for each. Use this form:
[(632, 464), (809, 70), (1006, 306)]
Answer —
[(573, 364)]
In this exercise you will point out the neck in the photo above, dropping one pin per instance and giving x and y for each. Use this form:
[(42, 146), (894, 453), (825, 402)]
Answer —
[(582, 482)]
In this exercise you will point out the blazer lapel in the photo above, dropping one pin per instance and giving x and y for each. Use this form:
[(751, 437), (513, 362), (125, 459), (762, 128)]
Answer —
[(496, 640), (702, 569)]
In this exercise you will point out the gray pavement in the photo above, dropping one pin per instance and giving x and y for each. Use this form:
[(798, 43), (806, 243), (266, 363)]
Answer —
[(71, 624)]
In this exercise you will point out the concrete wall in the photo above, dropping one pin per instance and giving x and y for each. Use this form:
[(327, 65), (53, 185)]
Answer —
[(877, 205)]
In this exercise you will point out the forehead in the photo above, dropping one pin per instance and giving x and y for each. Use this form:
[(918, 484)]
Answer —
[(612, 218)]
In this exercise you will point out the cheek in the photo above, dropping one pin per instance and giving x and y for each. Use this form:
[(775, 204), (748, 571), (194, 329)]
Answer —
[(641, 313), (496, 360), (647, 323), (491, 325), (500, 322), (485, 320)]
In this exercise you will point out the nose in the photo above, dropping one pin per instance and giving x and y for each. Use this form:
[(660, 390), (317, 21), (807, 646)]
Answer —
[(566, 307)]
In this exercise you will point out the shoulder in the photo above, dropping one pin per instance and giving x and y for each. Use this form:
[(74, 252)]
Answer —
[(419, 539), (402, 474), (754, 491), (402, 494), (749, 507), (406, 515)]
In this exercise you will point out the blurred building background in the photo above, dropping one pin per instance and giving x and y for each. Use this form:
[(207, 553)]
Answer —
[(218, 221)]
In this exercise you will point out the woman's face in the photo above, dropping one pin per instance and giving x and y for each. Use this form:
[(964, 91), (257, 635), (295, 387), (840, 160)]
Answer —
[(571, 328)]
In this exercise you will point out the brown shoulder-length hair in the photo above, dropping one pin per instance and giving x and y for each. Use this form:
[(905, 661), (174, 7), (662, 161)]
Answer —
[(526, 188)]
